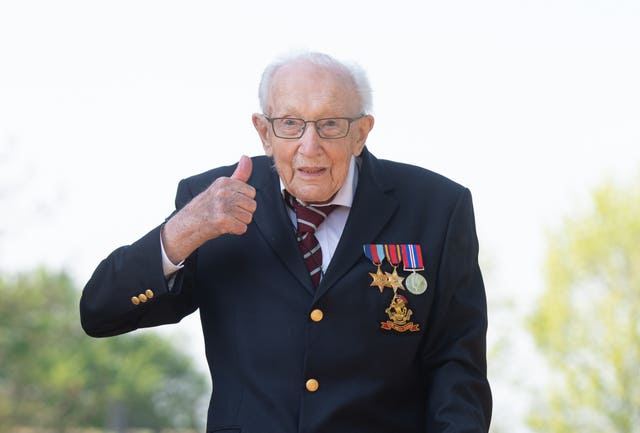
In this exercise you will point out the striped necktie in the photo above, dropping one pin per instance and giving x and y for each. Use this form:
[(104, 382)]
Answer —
[(308, 219)]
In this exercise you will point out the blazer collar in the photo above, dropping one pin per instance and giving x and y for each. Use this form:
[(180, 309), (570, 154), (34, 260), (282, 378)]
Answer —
[(273, 222)]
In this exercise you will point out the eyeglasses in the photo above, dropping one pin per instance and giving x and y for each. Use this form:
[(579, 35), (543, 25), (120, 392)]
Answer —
[(330, 127)]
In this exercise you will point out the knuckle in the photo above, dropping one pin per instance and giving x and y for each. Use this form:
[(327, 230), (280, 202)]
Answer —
[(240, 229), (217, 183)]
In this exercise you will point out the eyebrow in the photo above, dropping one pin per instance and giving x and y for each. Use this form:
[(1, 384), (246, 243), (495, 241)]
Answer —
[(290, 111)]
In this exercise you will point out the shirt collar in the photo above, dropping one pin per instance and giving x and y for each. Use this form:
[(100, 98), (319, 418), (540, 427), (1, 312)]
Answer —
[(344, 196)]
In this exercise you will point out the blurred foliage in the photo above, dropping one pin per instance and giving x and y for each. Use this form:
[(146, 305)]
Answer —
[(587, 323), (52, 375)]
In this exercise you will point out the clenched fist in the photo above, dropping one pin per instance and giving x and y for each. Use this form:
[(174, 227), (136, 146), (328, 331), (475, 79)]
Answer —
[(225, 207)]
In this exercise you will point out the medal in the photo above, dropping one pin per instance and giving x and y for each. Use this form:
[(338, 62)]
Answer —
[(412, 258), (393, 256), (416, 283), (375, 253)]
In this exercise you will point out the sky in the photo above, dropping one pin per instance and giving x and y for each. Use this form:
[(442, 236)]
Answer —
[(105, 106)]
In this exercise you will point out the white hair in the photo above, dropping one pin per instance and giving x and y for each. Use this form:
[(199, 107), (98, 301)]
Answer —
[(352, 70)]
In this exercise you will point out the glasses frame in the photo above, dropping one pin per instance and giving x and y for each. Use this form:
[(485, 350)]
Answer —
[(304, 128)]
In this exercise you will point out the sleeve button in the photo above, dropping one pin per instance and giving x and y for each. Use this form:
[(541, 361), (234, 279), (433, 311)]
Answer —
[(135, 300)]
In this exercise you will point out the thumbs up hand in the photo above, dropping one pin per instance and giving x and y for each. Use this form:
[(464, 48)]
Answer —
[(225, 207), (233, 199)]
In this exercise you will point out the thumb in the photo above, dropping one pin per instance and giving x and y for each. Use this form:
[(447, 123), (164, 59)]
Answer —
[(243, 170)]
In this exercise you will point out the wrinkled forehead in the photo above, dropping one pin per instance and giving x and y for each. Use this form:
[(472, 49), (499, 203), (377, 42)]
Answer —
[(308, 87)]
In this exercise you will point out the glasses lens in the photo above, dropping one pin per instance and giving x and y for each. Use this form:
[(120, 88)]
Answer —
[(286, 127), (333, 128)]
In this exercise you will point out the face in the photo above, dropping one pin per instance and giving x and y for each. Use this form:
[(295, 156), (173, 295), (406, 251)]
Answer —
[(311, 168)]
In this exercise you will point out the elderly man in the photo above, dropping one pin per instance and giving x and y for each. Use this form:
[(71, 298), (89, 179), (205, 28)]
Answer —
[(338, 293)]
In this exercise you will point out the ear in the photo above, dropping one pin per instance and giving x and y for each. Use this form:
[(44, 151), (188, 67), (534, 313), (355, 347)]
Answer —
[(362, 128), (262, 126)]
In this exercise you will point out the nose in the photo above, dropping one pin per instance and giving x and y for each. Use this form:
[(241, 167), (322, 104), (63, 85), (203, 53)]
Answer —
[(310, 142)]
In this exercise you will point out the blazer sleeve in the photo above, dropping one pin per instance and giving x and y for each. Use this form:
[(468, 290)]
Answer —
[(111, 302), (459, 397)]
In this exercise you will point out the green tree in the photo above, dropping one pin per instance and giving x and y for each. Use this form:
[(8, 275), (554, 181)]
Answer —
[(53, 376), (587, 322)]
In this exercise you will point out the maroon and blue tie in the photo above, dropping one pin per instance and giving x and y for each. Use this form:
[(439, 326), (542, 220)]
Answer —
[(308, 219)]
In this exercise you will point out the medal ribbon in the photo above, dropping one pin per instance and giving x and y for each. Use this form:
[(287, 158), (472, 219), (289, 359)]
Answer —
[(375, 253), (412, 257), (393, 254)]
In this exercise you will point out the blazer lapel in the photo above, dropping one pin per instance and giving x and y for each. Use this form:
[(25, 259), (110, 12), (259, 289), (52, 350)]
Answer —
[(273, 222), (373, 205)]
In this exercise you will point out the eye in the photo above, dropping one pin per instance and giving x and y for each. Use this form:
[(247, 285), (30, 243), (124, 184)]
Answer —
[(289, 123)]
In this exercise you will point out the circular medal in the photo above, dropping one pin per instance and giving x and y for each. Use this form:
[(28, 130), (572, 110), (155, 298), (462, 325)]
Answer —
[(416, 283)]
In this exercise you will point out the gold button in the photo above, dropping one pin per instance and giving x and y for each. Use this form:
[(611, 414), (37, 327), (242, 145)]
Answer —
[(149, 294), (135, 300), (142, 297), (316, 315), (312, 385)]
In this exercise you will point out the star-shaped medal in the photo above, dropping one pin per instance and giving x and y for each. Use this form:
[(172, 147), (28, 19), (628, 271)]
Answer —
[(394, 280), (379, 279)]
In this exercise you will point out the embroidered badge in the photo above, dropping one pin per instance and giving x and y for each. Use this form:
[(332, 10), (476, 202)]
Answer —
[(399, 314)]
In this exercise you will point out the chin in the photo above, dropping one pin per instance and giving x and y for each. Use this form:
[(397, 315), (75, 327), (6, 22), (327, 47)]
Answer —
[(317, 198), (308, 195), (314, 192)]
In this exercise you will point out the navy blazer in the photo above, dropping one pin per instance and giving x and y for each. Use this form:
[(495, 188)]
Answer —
[(255, 299)]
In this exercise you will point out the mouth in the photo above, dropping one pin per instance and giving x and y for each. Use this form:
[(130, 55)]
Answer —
[(312, 171)]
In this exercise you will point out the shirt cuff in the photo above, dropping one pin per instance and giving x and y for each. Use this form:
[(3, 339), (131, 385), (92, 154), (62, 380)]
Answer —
[(167, 265)]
